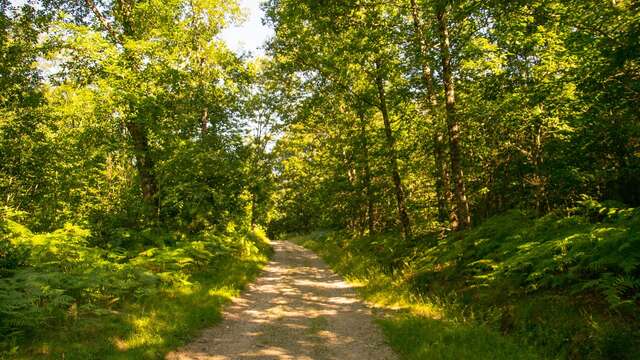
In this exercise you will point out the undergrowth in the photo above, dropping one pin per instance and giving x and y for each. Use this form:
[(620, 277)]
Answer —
[(560, 286), (61, 297)]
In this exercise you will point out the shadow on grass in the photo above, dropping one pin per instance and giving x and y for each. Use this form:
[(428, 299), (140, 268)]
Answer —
[(417, 328), (149, 328), (419, 337)]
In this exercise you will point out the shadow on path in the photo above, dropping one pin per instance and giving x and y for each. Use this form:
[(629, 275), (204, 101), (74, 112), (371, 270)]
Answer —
[(297, 309)]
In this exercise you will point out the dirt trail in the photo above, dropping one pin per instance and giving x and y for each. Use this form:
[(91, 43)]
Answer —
[(297, 309)]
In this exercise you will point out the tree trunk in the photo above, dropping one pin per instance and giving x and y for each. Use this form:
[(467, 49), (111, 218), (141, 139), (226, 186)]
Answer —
[(254, 210), (443, 181), (443, 186), (393, 159), (538, 179), (421, 42), (457, 175), (145, 165), (367, 173), (138, 131)]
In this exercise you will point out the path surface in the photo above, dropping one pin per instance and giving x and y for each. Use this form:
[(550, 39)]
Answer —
[(297, 309)]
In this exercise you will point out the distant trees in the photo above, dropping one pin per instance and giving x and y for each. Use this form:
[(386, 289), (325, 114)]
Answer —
[(515, 83)]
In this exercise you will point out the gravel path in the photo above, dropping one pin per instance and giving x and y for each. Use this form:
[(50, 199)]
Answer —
[(297, 309)]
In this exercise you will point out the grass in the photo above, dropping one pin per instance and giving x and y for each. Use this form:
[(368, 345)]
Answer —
[(415, 327), (418, 337), (515, 287), (148, 327)]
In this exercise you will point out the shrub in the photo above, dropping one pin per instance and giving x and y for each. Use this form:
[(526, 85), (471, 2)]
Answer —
[(50, 277)]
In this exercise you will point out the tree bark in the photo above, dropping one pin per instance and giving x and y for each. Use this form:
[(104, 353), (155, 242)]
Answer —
[(393, 159), (145, 165), (443, 186), (367, 173), (443, 181), (457, 176), (421, 42)]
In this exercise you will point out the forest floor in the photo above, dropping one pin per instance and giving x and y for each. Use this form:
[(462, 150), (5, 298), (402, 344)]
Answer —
[(297, 309)]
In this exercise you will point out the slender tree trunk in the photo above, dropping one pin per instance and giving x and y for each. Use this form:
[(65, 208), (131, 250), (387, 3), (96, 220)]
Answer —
[(352, 175), (443, 186), (254, 209), (443, 181), (393, 159), (457, 175), (538, 179), (145, 165), (421, 42), (367, 173)]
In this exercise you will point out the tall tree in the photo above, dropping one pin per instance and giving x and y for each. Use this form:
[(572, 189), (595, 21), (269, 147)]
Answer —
[(457, 175), (393, 159), (442, 181)]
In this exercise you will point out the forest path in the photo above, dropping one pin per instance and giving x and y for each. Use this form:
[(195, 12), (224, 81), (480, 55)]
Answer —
[(297, 309)]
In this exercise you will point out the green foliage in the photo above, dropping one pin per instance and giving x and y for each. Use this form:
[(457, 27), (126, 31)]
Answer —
[(11, 257), (96, 117), (483, 282), (551, 253), (544, 99), (124, 118), (65, 278)]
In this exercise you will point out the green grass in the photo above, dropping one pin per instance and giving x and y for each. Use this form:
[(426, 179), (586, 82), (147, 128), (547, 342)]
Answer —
[(149, 329), (515, 287), (415, 327), (156, 317), (419, 337)]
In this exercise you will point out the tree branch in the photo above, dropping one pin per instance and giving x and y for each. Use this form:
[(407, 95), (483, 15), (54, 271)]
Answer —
[(104, 22)]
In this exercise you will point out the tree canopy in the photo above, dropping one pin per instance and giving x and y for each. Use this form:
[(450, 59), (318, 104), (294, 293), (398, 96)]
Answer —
[(137, 150)]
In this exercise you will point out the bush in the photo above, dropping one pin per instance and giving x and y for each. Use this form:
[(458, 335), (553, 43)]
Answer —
[(51, 277), (567, 283), (12, 257), (555, 252)]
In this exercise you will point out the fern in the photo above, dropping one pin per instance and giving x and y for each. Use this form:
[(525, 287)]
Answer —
[(53, 275)]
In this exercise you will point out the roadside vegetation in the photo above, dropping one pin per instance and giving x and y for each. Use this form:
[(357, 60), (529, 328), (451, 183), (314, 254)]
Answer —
[(61, 297), (517, 286), (131, 193), (476, 162)]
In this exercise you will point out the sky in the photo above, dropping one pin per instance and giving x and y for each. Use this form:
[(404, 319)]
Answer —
[(251, 35)]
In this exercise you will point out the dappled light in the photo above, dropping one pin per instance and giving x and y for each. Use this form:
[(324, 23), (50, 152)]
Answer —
[(297, 309), (469, 170)]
